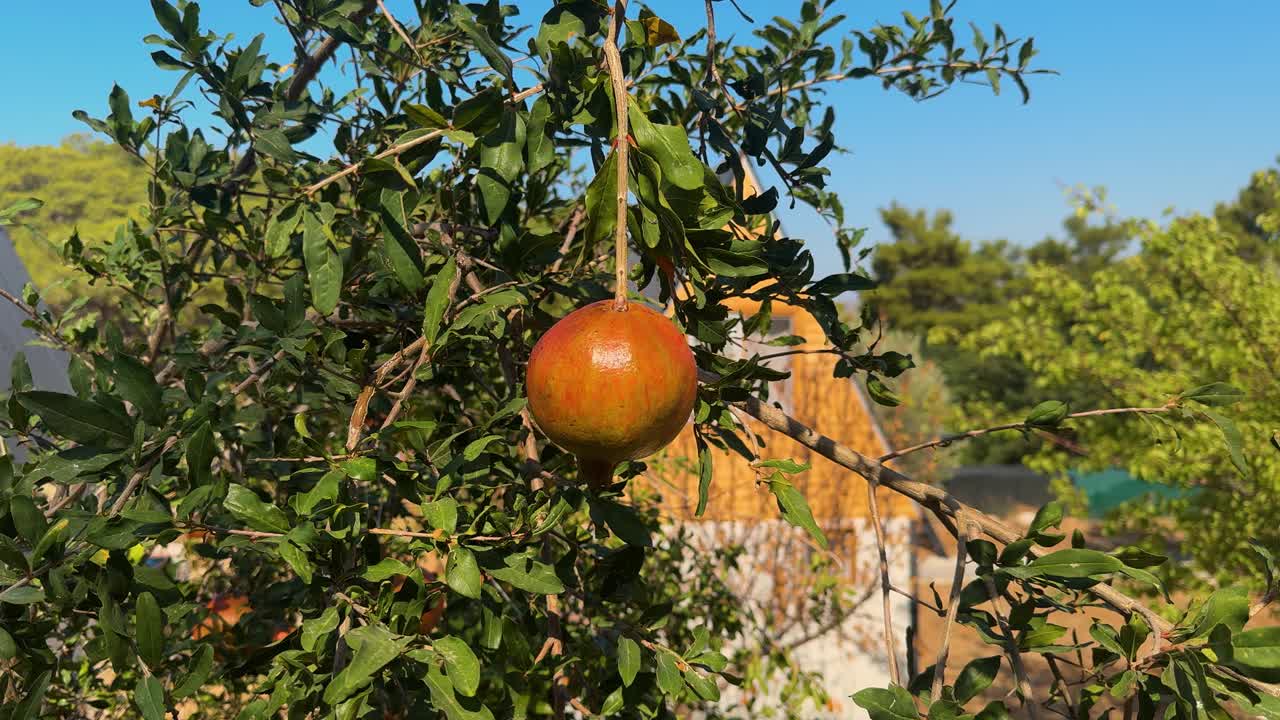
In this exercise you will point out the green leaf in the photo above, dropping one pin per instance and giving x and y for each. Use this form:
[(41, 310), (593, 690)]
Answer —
[(623, 520), (8, 648), (374, 647), (324, 267), (1214, 394), (280, 229), (703, 686), (249, 508), (628, 660), (425, 117), (462, 573), (460, 663), (669, 145), (438, 299), (1258, 647), (315, 629), (25, 205), (1228, 606), (601, 203), (1069, 563), (442, 514), (275, 144), (540, 144), (465, 21), (444, 699), (22, 595), (669, 678), (529, 575), (841, 283), (881, 393), (1235, 441), (894, 703), (976, 677), (27, 518), (474, 449), (149, 627), (1048, 414), (29, 707), (137, 385), (199, 454), (362, 468), (149, 696), (297, 559), (201, 665), (614, 703), (795, 509), (705, 472), (85, 422), (324, 490), (397, 241), (1049, 516)]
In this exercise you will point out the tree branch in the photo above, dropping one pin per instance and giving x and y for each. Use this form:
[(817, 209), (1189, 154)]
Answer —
[(936, 499), (620, 99)]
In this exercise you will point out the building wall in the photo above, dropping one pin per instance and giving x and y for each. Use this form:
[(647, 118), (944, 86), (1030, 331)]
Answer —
[(851, 654), (48, 366)]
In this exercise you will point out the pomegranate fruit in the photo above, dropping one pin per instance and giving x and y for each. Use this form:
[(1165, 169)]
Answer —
[(610, 385)]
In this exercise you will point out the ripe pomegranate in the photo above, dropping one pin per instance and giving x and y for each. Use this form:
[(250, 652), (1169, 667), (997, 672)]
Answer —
[(610, 385)]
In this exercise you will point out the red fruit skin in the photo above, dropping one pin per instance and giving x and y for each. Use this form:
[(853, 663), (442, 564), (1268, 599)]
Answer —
[(610, 385)]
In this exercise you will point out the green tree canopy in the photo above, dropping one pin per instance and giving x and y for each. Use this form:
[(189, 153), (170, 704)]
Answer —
[(89, 186)]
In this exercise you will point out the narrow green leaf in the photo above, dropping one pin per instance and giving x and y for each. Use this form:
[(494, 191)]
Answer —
[(976, 677), (374, 647), (149, 695), (795, 509), (438, 299), (324, 267), (249, 508), (1214, 394), (201, 665), (1235, 441), (462, 573), (460, 663), (669, 678), (22, 595), (83, 421), (1258, 648), (705, 472), (529, 575), (628, 660), (149, 627), (1069, 563)]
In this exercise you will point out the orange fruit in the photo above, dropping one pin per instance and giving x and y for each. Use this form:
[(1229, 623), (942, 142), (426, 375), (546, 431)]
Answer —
[(610, 385)]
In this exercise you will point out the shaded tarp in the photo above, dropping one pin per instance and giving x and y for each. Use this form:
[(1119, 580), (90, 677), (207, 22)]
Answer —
[(1107, 490)]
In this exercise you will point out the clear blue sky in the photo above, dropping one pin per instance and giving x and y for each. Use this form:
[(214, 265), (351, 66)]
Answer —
[(1169, 103)]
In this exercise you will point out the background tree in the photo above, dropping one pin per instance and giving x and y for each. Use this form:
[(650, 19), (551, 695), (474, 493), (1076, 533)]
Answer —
[(91, 187)]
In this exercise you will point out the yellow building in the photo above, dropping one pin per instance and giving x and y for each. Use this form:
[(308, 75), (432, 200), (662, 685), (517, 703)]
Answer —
[(847, 649)]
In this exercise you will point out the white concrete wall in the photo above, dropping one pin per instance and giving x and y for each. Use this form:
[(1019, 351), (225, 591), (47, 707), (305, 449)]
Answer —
[(851, 656)]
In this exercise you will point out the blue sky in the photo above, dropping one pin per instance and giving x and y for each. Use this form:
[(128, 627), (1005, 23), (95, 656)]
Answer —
[(1168, 104)]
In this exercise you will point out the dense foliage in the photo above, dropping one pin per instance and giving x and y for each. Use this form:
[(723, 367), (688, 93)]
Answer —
[(296, 476)]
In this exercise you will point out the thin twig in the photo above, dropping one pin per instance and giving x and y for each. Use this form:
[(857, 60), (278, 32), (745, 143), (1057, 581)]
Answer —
[(389, 152), (1011, 649), (613, 59), (948, 439), (400, 30), (953, 607), (890, 642)]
